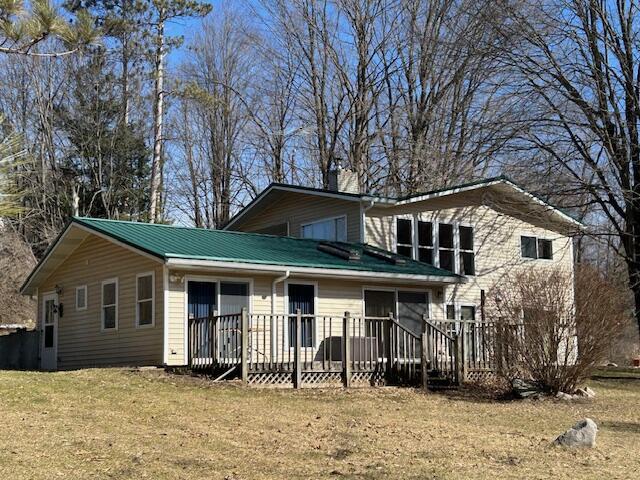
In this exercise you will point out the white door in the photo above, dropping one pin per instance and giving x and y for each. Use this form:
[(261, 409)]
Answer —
[(49, 341)]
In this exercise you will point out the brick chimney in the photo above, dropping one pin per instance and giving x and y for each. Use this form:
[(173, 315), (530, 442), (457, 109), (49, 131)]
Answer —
[(343, 180)]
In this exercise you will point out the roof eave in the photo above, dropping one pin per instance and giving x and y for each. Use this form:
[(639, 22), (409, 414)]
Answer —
[(350, 197), (311, 271), (489, 183)]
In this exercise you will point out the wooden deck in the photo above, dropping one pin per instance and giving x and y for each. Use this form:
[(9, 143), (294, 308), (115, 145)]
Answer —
[(306, 350)]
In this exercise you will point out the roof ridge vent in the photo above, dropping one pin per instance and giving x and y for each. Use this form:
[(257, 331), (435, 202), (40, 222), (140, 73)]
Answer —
[(387, 257), (338, 250)]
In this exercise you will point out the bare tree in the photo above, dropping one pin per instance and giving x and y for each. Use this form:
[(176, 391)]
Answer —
[(163, 11), (216, 77), (576, 69)]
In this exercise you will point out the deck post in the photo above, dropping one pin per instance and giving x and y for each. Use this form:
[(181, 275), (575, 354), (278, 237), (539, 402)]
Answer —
[(460, 361), (346, 351), (189, 342), (389, 346), (244, 318), (424, 354), (297, 379)]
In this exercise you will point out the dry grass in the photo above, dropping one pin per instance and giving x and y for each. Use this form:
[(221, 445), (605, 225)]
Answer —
[(121, 424)]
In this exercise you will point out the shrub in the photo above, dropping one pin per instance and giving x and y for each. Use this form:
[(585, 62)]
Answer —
[(555, 330)]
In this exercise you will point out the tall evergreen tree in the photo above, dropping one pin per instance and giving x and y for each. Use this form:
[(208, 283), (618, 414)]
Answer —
[(106, 164)]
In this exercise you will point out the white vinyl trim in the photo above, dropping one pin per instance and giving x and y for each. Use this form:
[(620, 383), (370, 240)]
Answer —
[(86, 298), (165, 314), (152, 299), (102, 305), (319, 272)]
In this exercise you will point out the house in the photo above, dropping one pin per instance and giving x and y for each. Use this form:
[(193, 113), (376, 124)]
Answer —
[(126, 293), (483, 231), (303, 285)]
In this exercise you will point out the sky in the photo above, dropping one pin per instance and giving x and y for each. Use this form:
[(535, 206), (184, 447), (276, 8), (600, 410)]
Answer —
[(187, 27)]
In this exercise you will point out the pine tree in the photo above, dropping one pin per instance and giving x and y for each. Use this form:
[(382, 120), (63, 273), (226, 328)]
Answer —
[(21, 29), (107, 162)]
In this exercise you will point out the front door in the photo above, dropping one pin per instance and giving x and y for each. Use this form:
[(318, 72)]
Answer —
[(49, 343)]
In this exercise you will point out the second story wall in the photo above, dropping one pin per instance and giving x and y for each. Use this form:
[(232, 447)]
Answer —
[(496, 244), (297, 210)]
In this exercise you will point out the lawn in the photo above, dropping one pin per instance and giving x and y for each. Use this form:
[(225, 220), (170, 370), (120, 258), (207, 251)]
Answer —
[(117, 423)]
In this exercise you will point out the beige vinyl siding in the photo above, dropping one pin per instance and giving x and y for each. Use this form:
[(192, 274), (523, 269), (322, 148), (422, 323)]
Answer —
[(496, 245), (299, 209), (335, 297), (81, 343)]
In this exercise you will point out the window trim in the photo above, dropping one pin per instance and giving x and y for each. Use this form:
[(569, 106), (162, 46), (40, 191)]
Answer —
[(410, 218), (435, 222), (537, 239), (109, 281), (152, 274), (431, 247), (327, 219), (86, 298), (395, 290), (314, 334), (460, 250), (455, 251)]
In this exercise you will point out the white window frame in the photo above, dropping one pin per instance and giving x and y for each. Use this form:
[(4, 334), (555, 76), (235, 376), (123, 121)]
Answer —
[(151, 274), (412, 219), (86, 298), (459, 249), (395, 290), (314, 334), (455, 250), (323, 220), (537, 239), (457, 313), (416, 239), (109, 281)]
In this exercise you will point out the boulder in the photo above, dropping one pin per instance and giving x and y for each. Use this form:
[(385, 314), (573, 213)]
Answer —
[(585, 392), (582, 434), (524, 389), (565, 396)]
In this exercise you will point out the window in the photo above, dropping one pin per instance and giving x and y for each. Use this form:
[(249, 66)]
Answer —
[(446, 247), (404, 236), (333, 229), (467, 312), (110, 304), (425, 242), (49, 322), (145, 310), (545, 249), (301, 297), (532, 247), (467, 256), (451, 312), (81, 298)]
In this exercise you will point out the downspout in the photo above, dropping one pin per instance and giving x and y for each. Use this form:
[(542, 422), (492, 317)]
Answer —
[(363, 220), (282, 278)]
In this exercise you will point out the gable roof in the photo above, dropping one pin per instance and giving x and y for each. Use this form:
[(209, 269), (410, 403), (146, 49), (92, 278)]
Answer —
[(184, 246), (383, 201)]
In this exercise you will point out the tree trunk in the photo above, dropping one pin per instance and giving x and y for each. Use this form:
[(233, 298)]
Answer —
[(156, 165)]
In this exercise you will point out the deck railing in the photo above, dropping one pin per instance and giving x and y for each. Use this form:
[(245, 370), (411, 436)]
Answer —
[(348, 348)]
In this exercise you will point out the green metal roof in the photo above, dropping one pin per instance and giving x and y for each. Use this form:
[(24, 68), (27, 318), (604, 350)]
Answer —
[(167, 242)]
